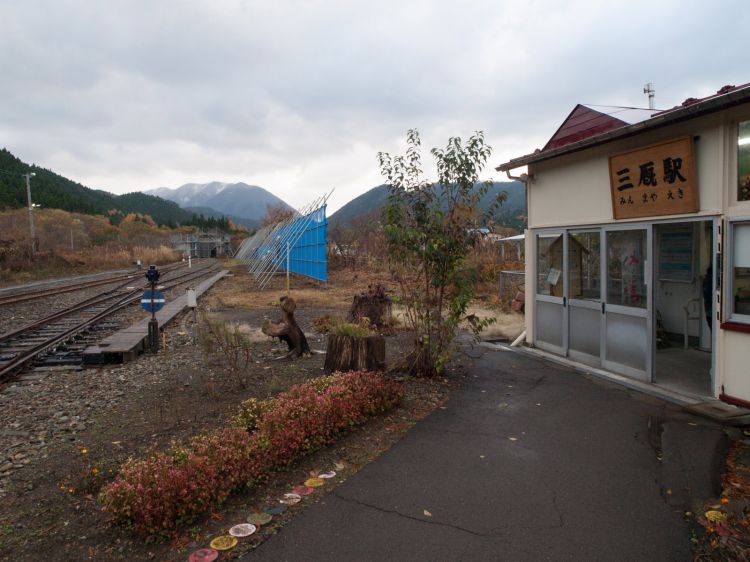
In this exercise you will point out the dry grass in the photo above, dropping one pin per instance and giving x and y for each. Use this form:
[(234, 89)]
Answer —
[(239, 291), (73, 243), (507, 324), (159, 255), (337, 294), (254, 334)]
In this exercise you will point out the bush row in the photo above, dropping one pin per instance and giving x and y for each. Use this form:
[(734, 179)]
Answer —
[(168, 490)]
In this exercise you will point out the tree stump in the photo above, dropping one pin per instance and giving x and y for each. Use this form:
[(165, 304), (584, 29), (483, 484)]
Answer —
[(349, 353), (287, 329), (374, 305)]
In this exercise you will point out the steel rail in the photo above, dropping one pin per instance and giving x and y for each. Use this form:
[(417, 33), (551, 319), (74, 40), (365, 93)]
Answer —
[(86, 303), (40, 293), (28, 355)]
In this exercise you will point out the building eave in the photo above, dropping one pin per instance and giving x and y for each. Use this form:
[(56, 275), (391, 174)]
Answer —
[(670, 117)]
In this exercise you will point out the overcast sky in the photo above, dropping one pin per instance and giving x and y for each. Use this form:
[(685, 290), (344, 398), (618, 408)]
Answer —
[(299, 96)]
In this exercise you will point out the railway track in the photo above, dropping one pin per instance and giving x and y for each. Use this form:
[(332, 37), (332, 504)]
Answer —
[(26, 295), (60, 338)]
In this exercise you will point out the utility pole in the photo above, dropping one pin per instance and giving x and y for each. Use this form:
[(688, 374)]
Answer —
[(32, 233)]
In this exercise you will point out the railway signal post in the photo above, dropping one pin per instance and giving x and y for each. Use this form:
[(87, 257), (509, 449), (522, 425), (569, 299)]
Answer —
[(153, 301)]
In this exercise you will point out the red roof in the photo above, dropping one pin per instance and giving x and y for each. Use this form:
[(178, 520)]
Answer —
[(586, 127), (692, 101), (583, 122)]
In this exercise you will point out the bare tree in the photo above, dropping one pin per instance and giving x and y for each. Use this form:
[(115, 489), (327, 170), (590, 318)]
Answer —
[(276, 214)]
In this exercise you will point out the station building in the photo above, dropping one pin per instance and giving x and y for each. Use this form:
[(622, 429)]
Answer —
[(638, 244)]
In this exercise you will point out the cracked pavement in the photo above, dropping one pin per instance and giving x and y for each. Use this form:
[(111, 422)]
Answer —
[(527, 461)]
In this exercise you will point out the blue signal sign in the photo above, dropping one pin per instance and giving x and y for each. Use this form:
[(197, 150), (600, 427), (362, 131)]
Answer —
[(152, 302)]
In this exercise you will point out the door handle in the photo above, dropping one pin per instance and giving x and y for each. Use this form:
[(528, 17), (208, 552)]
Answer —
[(565, 302), (604, 306)]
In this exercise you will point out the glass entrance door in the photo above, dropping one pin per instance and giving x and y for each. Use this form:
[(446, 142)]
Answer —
[(627, 317), (593, 297), (584, 275), (549, 296)]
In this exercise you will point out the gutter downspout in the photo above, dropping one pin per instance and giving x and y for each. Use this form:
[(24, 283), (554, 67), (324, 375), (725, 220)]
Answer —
[(526, 179), (519, 339)]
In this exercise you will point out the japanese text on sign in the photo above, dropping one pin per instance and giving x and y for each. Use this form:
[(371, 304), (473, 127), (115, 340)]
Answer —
[(656, 180)]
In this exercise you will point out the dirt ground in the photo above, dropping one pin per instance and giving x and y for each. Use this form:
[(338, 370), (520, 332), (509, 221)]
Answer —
[(51, 511)]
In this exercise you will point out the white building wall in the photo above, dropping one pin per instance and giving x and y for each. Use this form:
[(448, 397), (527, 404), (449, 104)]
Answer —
[(735, 350), (574, 190), (734, 347)]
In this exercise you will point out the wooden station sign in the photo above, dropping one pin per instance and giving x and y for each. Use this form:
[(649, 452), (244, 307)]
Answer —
[(655, 180)]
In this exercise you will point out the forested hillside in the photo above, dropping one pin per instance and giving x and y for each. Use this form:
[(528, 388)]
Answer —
[(510, 214), (53, 191)]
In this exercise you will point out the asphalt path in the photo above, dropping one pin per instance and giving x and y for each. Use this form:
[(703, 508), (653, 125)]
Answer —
[(527, 461)]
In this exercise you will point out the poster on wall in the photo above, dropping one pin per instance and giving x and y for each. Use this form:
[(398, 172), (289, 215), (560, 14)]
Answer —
[(655, 180), (676, 253)]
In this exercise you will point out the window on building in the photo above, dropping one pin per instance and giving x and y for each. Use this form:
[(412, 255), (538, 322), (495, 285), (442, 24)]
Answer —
[(743, 161), (626, 268), (740, 272), (549, 264), (584, 265)]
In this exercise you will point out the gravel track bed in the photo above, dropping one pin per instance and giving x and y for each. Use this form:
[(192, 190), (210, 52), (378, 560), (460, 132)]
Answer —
[(46, 409), (14, 289), (13, 316)]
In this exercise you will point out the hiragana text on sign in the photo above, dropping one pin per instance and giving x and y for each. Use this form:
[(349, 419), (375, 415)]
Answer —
[(655, 180)]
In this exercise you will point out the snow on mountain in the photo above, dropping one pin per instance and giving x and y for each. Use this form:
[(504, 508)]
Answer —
[(236, 199)]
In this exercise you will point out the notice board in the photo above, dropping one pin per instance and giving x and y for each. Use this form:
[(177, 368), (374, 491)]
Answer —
[(676, 253)]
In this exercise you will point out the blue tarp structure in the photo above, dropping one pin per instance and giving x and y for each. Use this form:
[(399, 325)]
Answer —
[(305, 239), (308, 245), (309, 254)]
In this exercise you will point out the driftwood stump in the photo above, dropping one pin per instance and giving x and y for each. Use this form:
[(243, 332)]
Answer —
[(374, 305), (287, 329), (349, 353)]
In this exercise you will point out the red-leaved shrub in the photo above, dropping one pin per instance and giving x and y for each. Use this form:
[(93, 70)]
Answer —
[(166, 491)]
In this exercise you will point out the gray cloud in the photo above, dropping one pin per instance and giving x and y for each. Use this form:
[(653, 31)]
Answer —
[(299, 96)]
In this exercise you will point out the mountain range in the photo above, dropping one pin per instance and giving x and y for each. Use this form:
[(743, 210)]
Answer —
[(51, 190), (242, 203), (510, 214)]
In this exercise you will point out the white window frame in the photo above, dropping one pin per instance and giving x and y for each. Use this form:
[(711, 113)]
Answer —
[(731, 315)]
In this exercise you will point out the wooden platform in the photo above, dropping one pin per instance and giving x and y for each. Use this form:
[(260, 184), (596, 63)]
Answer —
[(127, 344)]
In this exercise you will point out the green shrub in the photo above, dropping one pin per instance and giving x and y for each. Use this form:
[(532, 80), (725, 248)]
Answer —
[(250, 412), (165, 492)]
